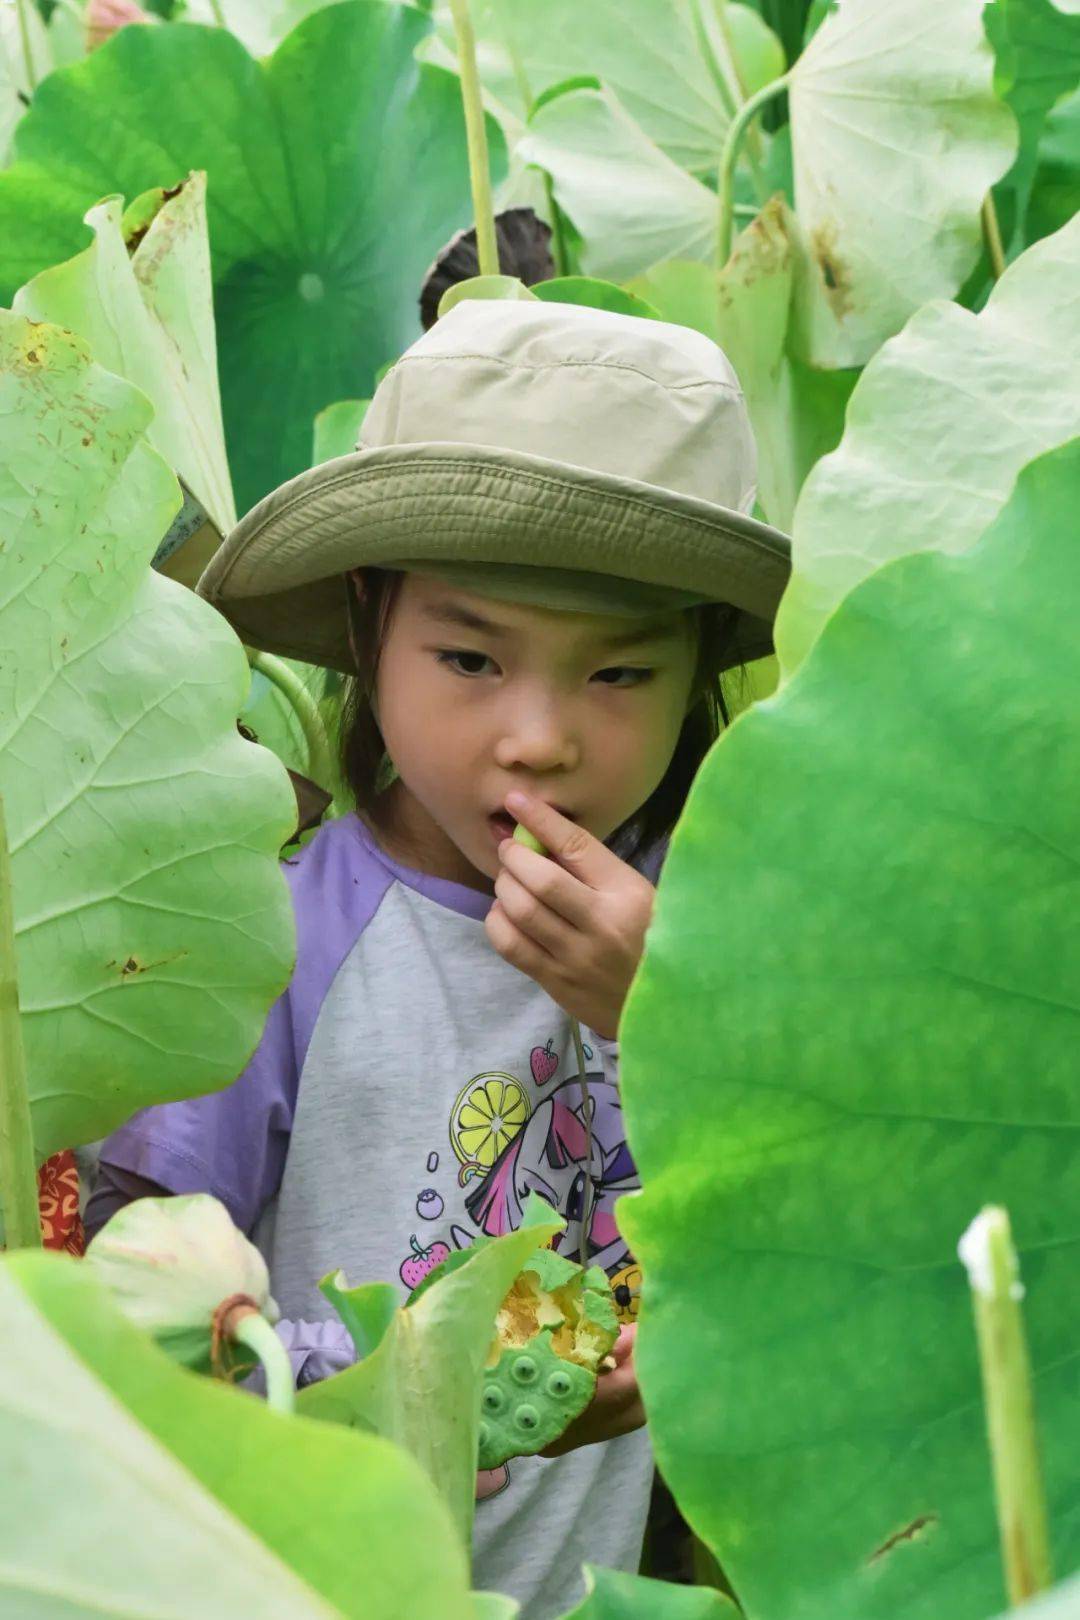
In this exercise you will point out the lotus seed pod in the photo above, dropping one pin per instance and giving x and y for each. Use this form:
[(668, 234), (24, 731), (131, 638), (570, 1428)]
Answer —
[(170, 1262), (552, 1331), (522, 835)]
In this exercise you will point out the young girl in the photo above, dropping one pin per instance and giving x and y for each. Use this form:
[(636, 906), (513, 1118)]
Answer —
[(534, 568)]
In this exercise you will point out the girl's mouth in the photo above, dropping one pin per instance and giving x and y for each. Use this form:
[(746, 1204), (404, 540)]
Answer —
[(502, 825)]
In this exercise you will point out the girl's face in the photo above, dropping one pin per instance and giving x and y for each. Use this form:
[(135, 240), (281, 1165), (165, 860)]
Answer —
[(476, 697)]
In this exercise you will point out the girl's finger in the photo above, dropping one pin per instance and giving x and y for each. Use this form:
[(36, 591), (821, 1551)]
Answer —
[(517, 949), (559, 890), (534, 917)]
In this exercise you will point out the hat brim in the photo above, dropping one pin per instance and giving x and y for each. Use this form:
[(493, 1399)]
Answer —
[(277, 578)]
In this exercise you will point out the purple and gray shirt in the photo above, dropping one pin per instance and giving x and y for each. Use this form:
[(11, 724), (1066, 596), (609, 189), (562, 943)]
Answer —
[(410, 1090)]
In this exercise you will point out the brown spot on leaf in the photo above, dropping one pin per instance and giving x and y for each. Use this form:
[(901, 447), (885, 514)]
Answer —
[(834, 272), (917, 1530)]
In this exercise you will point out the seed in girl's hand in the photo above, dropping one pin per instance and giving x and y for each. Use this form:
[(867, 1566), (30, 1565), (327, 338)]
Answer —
[(522, 835)]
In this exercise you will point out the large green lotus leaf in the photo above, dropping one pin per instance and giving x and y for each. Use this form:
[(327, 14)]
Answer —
[(664, 62), (336, 169), (153, 927), (613, 1595), (939, 425), (435, 1347), (885, 1043), (142, 299), (1037, 50), (181, 1496), (598, 159), (897, 137), (797, 411), (1055, 192)]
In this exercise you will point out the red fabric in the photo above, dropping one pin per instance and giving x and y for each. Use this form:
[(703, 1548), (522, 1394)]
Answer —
[(58, 1201)]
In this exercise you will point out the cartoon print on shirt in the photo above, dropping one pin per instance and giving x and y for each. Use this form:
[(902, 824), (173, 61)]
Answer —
[(415, 1266), (432, 1163), (543, 1062), (489, 1111), (429, 1204), (492, 1482), (547, 1155)]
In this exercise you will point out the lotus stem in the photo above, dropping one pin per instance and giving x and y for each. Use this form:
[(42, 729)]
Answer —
[(18, 1169), (987, 1251), (219, 15), (487, 250), (586, 1112), (992, 236), (725, 179), (24, 38), (255, 1332), (304, 707)]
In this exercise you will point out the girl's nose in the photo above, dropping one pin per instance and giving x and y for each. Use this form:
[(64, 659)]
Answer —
[(537, 738)]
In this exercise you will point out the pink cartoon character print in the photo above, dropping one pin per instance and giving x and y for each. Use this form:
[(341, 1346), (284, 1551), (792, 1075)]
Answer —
[(547, 1156)]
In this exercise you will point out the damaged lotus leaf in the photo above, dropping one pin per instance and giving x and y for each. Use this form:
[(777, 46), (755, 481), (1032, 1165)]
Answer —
[(891, 1047), (439, 1341), (336, 169), (141, 296), (170, 1262), (896, 139), (939, 425), (194, 1499), (153, 928), (553, 1329)]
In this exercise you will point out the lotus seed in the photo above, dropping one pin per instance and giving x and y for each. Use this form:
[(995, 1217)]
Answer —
[(560, 1385), (526, 1416), (524, 1370), (493, 1398)]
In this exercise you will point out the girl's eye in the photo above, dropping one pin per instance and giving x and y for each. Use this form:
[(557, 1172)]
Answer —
[(452, 656), (638, 677)]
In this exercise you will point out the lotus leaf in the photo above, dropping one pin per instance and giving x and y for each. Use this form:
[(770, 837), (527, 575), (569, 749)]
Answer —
[(153, 928), (797, 411), (613, 1595), (141, 296), (897, 137), (192, 1497), (665, 63), (885, 1043), (598, 157), (336, 169), (939, 425), (1037, 49), (1055, 193)]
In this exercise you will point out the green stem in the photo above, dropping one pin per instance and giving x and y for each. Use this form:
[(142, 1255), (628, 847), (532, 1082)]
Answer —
[(24, 37), (18, 1170), (219, 15), (255, 1332), (586, 1116), (725, 179), (992, 234), (320, 765), (987, 1251), (487, 251)]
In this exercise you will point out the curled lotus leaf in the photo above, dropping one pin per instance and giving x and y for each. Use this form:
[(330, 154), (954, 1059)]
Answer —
[(152, 926)]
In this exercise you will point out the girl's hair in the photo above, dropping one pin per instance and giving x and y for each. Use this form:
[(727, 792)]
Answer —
[(363, 753)]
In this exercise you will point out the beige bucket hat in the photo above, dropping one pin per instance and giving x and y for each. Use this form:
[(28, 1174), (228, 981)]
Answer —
[(587, 459)]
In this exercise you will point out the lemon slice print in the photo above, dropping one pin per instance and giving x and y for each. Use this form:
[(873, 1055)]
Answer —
[(488, 1114)]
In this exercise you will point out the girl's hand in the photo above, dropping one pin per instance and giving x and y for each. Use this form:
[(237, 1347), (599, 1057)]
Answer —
[(573, 920), (615, 1408)]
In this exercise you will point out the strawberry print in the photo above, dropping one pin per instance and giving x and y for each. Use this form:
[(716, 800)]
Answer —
[(421, 1261), (543, 1062)]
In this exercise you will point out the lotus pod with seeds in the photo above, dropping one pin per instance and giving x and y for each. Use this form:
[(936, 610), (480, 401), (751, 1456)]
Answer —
[(552, 1332), (170, 1263)]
